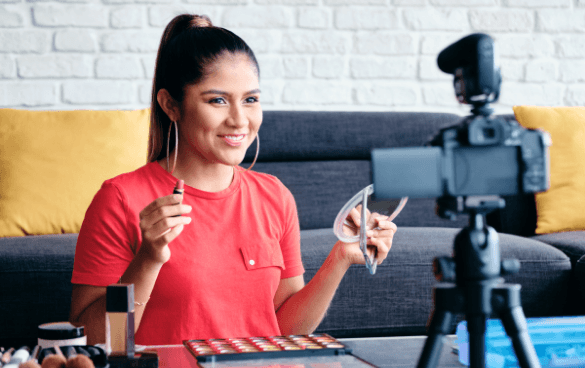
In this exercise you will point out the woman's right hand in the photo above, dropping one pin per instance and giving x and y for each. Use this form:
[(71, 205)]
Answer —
[(161, 222)]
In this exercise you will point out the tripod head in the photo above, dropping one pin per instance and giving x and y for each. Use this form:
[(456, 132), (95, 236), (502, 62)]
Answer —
[(476, 250)]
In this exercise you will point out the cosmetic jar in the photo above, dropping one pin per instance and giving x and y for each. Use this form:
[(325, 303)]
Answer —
[(61, 334)]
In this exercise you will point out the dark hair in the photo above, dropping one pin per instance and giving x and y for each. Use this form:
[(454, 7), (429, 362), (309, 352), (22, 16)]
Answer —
[(188, 47)]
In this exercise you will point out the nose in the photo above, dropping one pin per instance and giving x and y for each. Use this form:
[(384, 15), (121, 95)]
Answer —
[(237, 118)]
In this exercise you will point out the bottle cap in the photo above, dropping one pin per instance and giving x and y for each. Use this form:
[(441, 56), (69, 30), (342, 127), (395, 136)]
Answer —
[(120, 298), (59, 331)]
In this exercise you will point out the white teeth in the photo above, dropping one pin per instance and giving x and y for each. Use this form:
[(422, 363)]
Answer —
[(235, 137)]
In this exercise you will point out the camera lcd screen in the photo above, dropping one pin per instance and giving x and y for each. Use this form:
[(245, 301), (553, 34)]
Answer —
[(485, 170)]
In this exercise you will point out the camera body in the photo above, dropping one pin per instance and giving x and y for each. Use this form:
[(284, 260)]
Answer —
[(482, 155)]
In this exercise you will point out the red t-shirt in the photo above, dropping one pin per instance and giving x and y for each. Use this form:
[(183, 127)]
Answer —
[(224, 268)]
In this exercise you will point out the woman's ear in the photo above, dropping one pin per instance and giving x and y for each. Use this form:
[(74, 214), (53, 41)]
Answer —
[(169, 105)]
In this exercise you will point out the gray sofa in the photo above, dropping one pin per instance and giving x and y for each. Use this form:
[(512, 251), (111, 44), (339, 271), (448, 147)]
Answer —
[(323, 158)]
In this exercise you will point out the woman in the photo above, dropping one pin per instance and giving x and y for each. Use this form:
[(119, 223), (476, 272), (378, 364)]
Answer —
[(222, 259)]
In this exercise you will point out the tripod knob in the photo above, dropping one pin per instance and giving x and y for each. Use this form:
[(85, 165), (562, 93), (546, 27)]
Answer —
[(444, 269), (510, 266)]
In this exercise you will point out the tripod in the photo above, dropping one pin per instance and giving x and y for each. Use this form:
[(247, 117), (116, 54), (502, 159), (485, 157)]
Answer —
[(478, 291)]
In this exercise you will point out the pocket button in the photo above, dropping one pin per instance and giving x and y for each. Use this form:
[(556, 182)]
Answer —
[(252, 263)]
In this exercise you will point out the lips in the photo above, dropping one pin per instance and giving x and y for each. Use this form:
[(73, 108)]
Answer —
[(234, 139)]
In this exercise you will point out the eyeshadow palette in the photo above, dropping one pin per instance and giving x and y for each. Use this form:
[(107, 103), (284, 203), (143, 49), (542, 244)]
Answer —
[(212, 350)]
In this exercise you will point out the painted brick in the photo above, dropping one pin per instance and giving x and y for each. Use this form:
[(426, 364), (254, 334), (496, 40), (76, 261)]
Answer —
[(328, 67), (98, 92), (270, 66), (271, 92), (315, 42), (127, 17), (261, 41), (263, 17), (315, 18), (554, 20), (575, 96), (466, 3), (429, 70), (385, 43), (148, 63), (509, 20), (549, 94), (154, 1), (386, 94), (28, 94), (434, 44), (118, 67), (354, 2), (118, 2), (389, 67), (521, 46), (55, 66), (511, 70), (295, 67), (160, 16), (131, 41), (432, 19), (439, 95), (409, 2), (11, 18), (317, 93), (145, 93), (541, 71), (572, 71), (24, 41), (537, 3), (7, 67), (287, 2), (571, 46), (10, 1), (76, 40), (366, 18), (70, 15), (219, 2)]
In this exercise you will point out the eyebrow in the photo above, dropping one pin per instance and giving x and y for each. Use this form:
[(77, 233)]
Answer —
[(218, 92)]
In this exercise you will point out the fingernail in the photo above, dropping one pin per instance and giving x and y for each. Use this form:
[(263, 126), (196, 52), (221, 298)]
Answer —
[(189, 208), (189, 220)]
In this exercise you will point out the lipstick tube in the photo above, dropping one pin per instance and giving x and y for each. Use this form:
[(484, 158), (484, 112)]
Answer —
[(120, 320)]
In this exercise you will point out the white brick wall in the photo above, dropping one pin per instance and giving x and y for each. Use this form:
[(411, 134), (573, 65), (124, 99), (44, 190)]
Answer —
[(313, 54)]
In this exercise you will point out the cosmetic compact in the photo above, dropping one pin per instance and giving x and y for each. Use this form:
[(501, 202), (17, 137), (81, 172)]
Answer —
[(61, 334)]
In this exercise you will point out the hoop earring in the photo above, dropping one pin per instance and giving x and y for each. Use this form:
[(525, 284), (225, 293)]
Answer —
[(176, 147), (257, 151)]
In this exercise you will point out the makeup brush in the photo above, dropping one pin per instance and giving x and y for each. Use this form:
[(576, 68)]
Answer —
[(56, 360)]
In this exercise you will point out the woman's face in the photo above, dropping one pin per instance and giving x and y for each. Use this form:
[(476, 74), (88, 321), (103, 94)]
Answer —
[(221, 115)]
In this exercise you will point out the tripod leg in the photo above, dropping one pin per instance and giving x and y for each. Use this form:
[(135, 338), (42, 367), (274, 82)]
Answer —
[(515, 325), (439, 326), (476, 327)]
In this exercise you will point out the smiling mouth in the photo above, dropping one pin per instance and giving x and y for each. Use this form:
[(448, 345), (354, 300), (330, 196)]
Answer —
[(234, 140)]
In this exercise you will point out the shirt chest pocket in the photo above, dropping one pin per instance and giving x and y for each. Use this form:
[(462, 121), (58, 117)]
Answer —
[(261, 255)]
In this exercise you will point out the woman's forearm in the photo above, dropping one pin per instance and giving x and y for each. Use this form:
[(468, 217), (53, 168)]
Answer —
[(303, 311), (143, 274)]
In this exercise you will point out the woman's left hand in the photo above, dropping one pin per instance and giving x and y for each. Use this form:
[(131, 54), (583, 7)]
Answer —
[(379, 232)]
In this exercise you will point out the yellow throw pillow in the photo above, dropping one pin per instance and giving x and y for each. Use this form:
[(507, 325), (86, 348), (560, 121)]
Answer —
[(562, 207), (53, 162)]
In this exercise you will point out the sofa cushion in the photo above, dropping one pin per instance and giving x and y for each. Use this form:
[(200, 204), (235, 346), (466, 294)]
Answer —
[(321, 188), (36, 284), (53, 162), (560, 208), (398, 298)]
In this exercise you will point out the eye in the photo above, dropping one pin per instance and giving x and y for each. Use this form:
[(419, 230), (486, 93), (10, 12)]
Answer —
[(252, 99), (217, 100)]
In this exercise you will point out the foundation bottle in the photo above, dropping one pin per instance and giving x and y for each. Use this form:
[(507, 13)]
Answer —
[(120, 320)]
